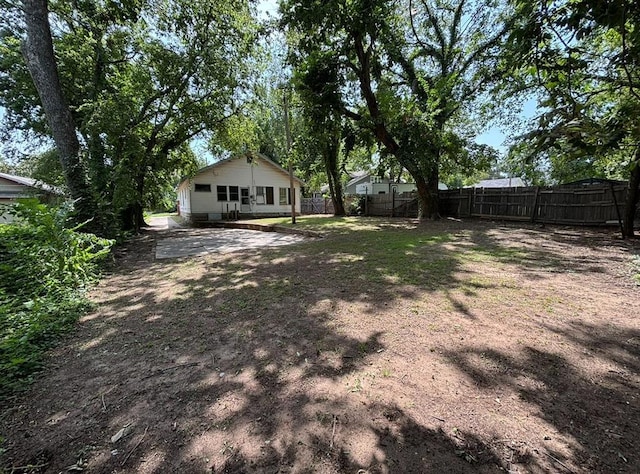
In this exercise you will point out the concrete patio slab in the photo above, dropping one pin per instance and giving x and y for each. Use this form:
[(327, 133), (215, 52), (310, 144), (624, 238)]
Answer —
[(221, 240)]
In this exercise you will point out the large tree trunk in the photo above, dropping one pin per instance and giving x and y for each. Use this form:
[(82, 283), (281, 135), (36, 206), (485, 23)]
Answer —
[(333, 174), (133, 215), (335, 188), (423, 196), (37, 50), (432, 211), (428, 201), (633, 196)]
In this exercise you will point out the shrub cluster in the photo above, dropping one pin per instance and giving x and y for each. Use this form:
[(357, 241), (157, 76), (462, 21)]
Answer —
[(46, 265)]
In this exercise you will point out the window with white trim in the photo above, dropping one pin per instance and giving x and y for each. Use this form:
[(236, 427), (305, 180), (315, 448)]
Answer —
[(285, 196), (264, 195), (228, 193)]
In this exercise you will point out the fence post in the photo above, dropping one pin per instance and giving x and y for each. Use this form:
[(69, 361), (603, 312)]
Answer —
[(535, 205), (472, 193), (615, 202), (366, 202), (393, 202)]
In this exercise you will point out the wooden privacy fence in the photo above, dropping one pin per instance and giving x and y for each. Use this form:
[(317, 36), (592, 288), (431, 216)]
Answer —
[(595, 204), (325, 205), (316, 206), (394, 205)]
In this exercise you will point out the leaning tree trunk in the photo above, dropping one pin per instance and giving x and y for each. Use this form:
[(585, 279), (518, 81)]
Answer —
[(633, 196), (37, 49)]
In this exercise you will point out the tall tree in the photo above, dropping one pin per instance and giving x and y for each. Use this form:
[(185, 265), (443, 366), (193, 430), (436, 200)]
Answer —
[(317, 82), (37, 49), (143, 78), (417, 66)]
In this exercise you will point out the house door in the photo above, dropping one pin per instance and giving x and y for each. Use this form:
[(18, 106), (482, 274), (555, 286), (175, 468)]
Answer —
[(245, 204)]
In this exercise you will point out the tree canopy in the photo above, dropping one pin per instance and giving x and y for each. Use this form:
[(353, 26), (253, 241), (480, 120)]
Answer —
[(417, 69), (140, 79), (582, 58), (127, 87)]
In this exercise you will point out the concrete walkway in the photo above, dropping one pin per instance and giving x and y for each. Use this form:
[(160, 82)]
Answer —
[(163, 223)]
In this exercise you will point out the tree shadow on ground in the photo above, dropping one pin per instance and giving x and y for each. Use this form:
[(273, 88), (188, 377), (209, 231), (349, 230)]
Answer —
[(232, 363), (593, 399), (544, 250)]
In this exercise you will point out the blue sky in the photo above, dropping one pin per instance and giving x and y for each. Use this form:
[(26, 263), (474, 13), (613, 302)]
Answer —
[(268, 6)]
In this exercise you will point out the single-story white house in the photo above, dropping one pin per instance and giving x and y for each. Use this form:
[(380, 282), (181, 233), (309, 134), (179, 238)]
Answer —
[(14, 187), (248, 185), (368, 184), (513, 182)]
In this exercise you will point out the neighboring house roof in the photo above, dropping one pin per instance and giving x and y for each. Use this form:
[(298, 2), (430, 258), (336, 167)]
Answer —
[(500, 183), (358, 177), (589, 181), (29, 182), (252, 154), (361, 177)]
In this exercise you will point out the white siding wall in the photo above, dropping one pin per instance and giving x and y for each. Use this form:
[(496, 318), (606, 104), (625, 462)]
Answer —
[(13, 189), (9, 192), (237, 172), (384, 188)]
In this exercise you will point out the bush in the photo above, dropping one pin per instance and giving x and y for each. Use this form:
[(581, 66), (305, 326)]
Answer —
[(46, 265)]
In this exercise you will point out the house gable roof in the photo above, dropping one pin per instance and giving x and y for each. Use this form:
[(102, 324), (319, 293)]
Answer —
[(32, 183), (227, 160), (358, 178)]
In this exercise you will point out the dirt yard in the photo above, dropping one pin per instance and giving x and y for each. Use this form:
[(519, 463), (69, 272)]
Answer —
[(392, 347)]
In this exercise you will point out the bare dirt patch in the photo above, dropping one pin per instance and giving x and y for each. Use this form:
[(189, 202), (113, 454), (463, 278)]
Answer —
[(458, 347)]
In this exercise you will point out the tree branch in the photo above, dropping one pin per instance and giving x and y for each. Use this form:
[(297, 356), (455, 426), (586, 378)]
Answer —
[(625, 66)]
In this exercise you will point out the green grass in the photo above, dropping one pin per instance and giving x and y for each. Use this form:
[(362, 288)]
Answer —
[(326, 224), (386, 251), (159, 214), (378, 251)]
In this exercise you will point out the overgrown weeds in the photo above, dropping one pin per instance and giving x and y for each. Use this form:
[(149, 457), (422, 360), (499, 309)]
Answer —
[(46, 265)]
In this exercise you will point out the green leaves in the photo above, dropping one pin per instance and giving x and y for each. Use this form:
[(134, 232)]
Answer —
[(583, 57), (143, 78), (45, 266), (404, 73)]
